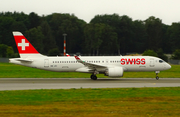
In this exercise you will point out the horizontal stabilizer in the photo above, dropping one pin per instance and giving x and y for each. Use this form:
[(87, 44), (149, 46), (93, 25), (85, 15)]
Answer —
[(23, 60)]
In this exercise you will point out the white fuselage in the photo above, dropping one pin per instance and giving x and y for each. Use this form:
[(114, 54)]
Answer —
[(70, 64)]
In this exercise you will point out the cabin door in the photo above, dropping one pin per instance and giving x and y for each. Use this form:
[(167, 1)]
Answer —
[(152, 62)]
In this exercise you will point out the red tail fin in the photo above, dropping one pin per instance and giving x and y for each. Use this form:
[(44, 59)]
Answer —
[(24, 46)]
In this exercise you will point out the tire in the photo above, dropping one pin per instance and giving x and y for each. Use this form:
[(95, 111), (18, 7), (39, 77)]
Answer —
[(93, 77)]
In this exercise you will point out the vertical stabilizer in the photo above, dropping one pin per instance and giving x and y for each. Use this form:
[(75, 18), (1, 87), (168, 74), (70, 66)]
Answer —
[(24, 46)]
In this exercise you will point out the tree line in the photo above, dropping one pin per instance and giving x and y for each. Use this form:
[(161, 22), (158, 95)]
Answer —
[(103, 35)]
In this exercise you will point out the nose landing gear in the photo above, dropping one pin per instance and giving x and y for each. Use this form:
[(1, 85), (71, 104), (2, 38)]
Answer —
[(157, 77)]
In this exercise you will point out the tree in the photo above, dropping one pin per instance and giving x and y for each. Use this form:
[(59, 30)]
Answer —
[(10, 52), (6, 51), (93, 37), (54, 52), (120, 33), (12, 22), (123, 27), (166, 43), (18, 26), (176, 54), (150, 53), (34, 20), (98, 37), (126, 34), (35, 37), (154, 32), (140, 36), (174, 36), (161, 55), (110, 41), (3, 49), (6, 30), (48, 40), (69, 24)]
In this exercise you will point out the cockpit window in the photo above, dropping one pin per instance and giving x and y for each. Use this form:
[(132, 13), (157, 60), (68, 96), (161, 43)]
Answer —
[(161, 61)]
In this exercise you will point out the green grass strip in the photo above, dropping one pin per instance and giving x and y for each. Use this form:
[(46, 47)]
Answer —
[(34, 97), (136, 102)]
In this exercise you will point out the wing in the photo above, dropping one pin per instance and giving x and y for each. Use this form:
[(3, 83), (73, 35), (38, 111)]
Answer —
[(91, 66)]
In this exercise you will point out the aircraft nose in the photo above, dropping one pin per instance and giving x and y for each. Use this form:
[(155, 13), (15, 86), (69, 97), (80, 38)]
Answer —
[(168, 66)]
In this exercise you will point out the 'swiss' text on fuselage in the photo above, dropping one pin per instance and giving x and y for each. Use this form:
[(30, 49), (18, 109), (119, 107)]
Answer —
[(135, 61)]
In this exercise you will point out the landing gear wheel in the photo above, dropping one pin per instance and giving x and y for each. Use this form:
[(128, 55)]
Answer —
[(93, 77), (157, 78)]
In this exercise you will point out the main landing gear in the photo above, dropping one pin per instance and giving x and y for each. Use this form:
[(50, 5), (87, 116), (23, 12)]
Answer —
[(93, 77), (157, 77)]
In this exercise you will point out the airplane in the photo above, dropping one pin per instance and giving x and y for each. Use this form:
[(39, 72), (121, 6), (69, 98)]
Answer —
[(112, 66)]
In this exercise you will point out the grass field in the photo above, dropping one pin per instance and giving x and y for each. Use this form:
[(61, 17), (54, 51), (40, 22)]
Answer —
[(8, 70), (134, 102)]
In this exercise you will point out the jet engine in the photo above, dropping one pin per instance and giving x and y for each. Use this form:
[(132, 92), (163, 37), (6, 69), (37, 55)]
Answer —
[(114, 72)]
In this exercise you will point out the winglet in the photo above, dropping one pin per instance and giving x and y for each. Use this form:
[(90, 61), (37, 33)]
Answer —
[(67, 55), (76, 57)]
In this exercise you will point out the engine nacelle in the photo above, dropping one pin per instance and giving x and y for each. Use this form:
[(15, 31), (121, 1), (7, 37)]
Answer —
[(114, 72)]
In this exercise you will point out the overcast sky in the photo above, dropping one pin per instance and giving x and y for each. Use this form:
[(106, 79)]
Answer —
[(167, 10)]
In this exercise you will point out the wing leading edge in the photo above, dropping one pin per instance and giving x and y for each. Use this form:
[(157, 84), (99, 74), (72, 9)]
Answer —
[(91, 66)]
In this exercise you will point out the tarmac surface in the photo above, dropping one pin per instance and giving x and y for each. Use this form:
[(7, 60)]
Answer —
[(69, 83)]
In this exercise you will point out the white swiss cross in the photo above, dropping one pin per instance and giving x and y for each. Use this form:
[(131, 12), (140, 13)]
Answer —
[(23, 44)]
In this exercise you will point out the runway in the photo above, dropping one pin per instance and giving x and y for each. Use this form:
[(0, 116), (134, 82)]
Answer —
[(69, 83)]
